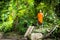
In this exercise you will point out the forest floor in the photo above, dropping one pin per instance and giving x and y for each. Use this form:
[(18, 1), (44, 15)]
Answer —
[(15, 36)]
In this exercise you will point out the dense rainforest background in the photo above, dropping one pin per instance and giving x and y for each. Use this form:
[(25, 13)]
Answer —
[(18, 15)]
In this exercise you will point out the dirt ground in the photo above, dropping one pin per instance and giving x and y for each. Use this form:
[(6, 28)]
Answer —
[(15, 36)]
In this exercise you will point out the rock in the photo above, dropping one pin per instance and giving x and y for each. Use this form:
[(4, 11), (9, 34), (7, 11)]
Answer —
[(36, 36)]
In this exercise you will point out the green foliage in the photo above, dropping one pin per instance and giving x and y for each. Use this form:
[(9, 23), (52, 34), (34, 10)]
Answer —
[(26, 12)]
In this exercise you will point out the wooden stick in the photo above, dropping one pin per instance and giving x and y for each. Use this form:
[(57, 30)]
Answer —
[(29, 30)]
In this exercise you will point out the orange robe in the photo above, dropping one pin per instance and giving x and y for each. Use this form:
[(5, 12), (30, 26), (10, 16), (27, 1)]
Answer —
[(40, 18)]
